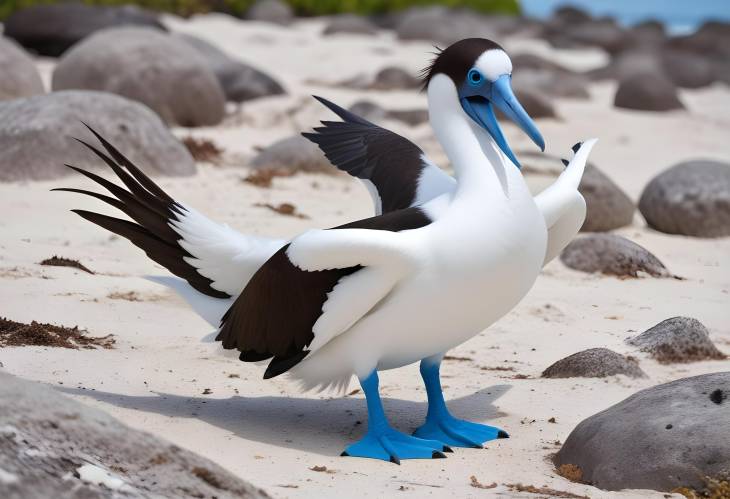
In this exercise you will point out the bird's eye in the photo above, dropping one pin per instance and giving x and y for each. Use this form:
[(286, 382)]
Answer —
[(474, 76)]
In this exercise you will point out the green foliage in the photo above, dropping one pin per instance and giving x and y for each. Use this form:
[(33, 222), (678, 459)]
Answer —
[(302, 7)]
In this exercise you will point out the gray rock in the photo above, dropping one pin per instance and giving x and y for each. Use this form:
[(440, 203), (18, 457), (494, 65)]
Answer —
[(691, 198), (629, 64), (594, 363), (551, 83), (668, 436), (711, 40), (240, 82), (51, 29), (648, 34), (570, 15), (647, 92), (412, 117), (46, 439), (271, 11), (605, 34), (613, 255), (536, 105), (394, 78), (677, 340), (608, 207), (293, 154), (151, 67), (688, 70), (444, 26), (19, 76), (372, 112), (350, 24), (36, 135)]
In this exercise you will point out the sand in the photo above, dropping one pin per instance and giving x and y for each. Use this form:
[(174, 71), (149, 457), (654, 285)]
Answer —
[(161, 378)]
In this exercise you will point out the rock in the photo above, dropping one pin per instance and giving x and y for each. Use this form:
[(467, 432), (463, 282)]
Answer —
[(293, 154), (570, 15), (608, 207), (551, 83), (688, 70), (605, 34), (629, 64), (691, 198), (240, 82), (677, 340), (648, 34), (711, 40), (53, 446), (613, 255), (667, 436), (372, 112), (271, 11), (51, 29), (19, 76), (444, 26), (150, 67), (36, 135), (647, 92), (534, 103), (350, 24), (394, 78), (412, 117), (594, 363)]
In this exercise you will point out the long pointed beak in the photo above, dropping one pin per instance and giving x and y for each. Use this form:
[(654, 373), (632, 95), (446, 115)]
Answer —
[(502, 97)]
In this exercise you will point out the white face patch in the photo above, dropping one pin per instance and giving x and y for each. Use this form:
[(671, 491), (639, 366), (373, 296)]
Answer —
[(493, 64)]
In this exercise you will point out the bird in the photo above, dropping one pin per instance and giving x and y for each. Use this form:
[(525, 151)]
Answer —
[(442, 259)]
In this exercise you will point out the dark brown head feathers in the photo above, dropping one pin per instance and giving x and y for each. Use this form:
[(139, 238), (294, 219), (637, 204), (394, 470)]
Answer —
[(456, 60)]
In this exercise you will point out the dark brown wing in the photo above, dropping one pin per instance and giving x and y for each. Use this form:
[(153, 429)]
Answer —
[(275, 313)]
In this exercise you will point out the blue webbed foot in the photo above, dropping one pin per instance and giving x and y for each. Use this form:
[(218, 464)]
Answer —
[(457, 432), (391, 445)]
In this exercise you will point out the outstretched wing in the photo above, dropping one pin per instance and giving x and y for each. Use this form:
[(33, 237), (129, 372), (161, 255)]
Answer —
[(283, 309), (214, 259), (396, 171)]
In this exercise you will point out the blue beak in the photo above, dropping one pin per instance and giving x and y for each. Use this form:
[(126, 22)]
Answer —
[(479, 105)]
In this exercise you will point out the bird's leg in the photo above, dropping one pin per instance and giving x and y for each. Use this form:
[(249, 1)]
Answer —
[(440, 424), (383, 441)]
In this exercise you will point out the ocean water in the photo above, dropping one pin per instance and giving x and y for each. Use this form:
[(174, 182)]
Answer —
[(679, 16)]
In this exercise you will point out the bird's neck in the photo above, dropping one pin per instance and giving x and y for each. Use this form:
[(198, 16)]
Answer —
[(479, 165)]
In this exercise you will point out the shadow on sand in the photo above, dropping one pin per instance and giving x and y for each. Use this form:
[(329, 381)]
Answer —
[(322, 426)]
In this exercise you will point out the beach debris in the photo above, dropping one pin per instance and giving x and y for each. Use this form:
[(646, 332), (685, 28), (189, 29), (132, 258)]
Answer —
[(691, 198), (59, 261), (611, 254), (287, 209), (474, 482), (53, 119), (607, 206), (18, 334), (594, 363), (660, 438), (542, 490), (148, 66), (677, 340), (203, 149)]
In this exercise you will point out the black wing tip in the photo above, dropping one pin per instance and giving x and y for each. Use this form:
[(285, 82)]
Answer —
[(565, 162), (280, 365), (576, 146)]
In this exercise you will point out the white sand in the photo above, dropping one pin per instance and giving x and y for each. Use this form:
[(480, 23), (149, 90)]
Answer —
[(265, 431)]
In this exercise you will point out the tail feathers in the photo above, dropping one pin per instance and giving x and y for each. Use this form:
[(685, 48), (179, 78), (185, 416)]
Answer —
[(152, 210)]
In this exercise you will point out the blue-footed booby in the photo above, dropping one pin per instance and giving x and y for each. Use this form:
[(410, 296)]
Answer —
[(442, 259)]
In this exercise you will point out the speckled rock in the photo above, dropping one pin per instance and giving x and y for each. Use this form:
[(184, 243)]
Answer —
[(690, 198), (350, 24), (661, 438), (677, 340), (36, 135), (647, 92), (53, 446), (240, 81), (613, 255), (19, 76), (51, 29), (271, 11), (293, 154), (148, 66), (608, 207), (594, 363)]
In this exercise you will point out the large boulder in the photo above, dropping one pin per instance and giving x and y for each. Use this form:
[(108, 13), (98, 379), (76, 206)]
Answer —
[(552, 83), (690, 198), (688, 70), (612, 255), (271, 11), (148, 66), (677, 340), (394, 78), (350, 24), (19, 76), (662, 438), (240, 82), (292, 154), (36, 135), (52, 29), (608, 207), (373, 112), (711, 40), (53, 446), (594, 363), (444, 26), (629, 64), (647, 92)]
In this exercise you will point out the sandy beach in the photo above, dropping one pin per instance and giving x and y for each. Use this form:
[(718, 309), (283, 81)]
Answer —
[(161, 378)]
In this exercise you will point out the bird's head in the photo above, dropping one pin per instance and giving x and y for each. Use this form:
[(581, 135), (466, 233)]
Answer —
[(481, 73)]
